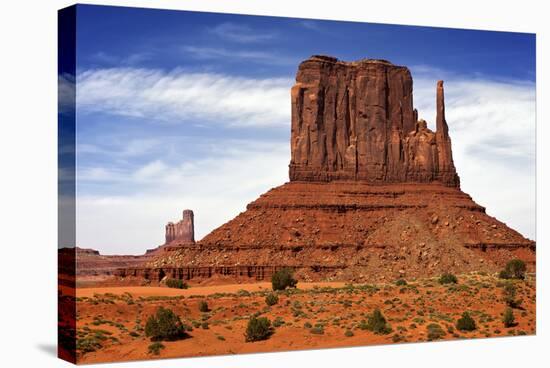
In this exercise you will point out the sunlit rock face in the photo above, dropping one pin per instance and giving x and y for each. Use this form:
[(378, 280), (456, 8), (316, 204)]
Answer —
[(356, 121)]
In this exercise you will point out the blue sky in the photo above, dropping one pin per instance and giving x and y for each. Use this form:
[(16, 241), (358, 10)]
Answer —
[(274, 45), (191, 110)]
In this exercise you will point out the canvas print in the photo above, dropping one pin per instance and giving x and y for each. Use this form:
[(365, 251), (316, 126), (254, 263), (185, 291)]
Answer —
[(235, 184)]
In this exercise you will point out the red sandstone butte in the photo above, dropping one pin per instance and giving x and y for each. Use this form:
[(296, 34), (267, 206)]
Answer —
[(373, 194), (183, 230), (356, 120)]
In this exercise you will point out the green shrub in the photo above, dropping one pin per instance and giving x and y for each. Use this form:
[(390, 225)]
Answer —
[(317, 330), (258, 329), (362, 325), (271, 299), (164, 325), (435, 332), (278, 322), (348, 333), (283, 279), (466, 323), (448, 278), (376, 322), (397, 338), (307, 325), (515, 269), (155, 348), (400, 282), (176, 284), (509, 293), (203, 306), (508, 319), (88, 344)]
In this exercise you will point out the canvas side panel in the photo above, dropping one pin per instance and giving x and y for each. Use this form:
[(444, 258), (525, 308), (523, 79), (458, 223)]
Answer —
[(66, 184)]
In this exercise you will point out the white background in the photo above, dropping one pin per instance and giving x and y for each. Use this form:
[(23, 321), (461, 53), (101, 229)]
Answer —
[(28, 184)]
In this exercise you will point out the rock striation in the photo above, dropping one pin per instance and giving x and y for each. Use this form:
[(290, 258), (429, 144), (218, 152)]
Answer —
[(356, 121), (89, 262)]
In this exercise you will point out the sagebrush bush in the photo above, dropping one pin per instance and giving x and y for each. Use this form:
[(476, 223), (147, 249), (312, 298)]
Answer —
[(176, 284), (258, 329), (466, 323), (376, 322), (278, 322), (271, 299), (88, 344), (155, 348), (515, 269), (317, 330), (508, 319), (283, 279), (203, 306), (164, 325), (509, 293), (400, 282), (435, 332), (448, 278)]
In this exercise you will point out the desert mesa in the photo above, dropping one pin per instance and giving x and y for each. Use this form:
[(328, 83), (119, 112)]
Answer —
[(373, 195)]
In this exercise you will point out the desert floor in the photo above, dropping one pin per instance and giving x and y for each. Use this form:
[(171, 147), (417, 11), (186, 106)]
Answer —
[(111, 320)]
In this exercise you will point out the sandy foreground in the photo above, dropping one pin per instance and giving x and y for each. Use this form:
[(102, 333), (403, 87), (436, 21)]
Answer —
[(145, 291), (111, 320)]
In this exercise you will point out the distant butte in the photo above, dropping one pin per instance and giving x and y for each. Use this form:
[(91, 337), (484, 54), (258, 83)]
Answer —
[(182, 231), (373, 194)]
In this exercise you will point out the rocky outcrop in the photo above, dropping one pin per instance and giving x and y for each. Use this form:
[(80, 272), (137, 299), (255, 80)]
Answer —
[(89, 262), (356, 121), (182, 231)]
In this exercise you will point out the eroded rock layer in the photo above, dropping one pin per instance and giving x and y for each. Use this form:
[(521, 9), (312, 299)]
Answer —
[(356, 120), (90, 262), (351, 231)]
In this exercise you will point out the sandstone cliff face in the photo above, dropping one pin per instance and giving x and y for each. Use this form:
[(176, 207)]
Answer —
[(356, 121)]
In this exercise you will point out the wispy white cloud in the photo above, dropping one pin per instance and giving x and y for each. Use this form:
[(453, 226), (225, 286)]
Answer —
[(311, 25), (105, 58), (253, 56), (241, 33), (66, 93), (125, 147), (178, 96), (216, 187)]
